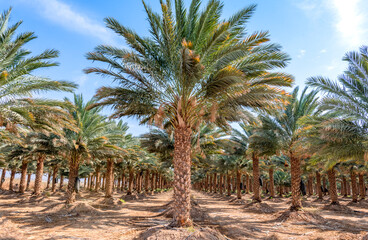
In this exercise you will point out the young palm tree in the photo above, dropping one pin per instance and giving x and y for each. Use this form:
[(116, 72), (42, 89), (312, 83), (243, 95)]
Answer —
[(287, 129), (88, 141), (193, 68)]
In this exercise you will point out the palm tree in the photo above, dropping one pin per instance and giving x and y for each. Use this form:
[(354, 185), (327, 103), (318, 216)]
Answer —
[(345, 99), (17, 84), (193, 68), (241, 139), (88, 141), (286, 129)]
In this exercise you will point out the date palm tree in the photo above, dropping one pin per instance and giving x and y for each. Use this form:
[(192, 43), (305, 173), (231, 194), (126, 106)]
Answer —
[(193, 68), (286, 128), (17, 83), (90, 139), (344, 132)]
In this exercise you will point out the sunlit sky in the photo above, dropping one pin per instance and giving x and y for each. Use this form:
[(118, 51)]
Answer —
[(315, 33)]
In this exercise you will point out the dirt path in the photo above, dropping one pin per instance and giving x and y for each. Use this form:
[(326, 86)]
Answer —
[(22, 217), (37, 221), (243, 220)]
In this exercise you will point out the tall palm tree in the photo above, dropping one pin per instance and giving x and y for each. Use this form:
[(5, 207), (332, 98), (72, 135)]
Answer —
[(193, 68)]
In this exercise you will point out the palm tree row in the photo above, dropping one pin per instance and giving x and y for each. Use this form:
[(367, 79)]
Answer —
[(192, 77)]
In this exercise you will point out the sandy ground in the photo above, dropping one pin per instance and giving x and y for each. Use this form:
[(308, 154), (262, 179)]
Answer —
[(24, 217)]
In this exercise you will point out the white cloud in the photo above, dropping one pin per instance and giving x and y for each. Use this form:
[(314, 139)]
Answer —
[(350, 21), (347, 19), (323, 51), (301, 53), (65, 16)]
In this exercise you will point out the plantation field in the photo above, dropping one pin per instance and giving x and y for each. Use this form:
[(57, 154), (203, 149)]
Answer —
[(122, 217)]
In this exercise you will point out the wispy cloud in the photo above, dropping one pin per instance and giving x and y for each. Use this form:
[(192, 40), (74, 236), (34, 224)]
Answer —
[(301, 53), (350, 21), (323, 51), (64, 15), (347, 18)]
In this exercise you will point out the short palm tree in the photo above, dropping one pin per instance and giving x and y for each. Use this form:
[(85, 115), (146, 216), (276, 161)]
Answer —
[(287, 129), (193, 68), (89, 140)]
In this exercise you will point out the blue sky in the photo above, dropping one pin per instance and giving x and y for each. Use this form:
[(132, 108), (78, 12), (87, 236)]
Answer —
[(315, 33)]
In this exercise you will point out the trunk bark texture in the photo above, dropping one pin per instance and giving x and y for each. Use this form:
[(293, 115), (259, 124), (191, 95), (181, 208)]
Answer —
[(333, 189), (238, 180), (256, 184), (182, 174), (228, 184), (2, 179), (73, 174), (296, 203), (39, 173), (11, 182), (272, 182), (28, 181), (54, 176), (23, 176), (318, 184), (354, 187), (109, 178)]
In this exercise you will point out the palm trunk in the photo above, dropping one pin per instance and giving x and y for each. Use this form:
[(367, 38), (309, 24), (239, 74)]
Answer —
[(28, 181), (109, 178), (123, 182), (228, 184), (2, 179), (54, 176), (238, 179), (98, 177), (11, 182), (138, 182), (48, 179), (118, 184), (210, 182), (39, 173), (61, 182), (220, 183), (146, 181), (131, 179), (296, 204), (354, 187), (348, 191), (182, 174), (361, 186), (23, 176), (206, 183), (247, 186), (256, 184), (318, 184), (272, 182), (324, 182), (343, 186), (215, 182), (103, 182), (234, 183), (333, 189), (73, 174), (310, 185)]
